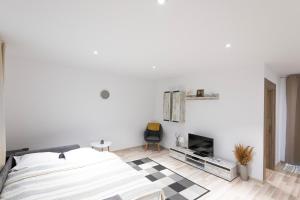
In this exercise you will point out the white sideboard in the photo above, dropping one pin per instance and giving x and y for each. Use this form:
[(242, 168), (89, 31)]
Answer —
[(216, 166)]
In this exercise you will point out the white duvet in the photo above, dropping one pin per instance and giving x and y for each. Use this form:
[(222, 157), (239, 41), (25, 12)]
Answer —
[(98, 176)]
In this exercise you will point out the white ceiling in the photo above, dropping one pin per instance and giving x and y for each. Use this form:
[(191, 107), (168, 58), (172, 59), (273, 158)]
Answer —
[(133, 35)]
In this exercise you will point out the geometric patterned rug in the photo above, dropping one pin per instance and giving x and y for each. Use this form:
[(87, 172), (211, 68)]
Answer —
[(175, 187), (293, 169)]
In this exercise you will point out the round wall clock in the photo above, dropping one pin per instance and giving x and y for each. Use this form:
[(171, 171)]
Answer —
[(104, 94)]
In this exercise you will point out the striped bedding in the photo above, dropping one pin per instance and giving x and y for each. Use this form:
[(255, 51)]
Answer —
[(105, 178)]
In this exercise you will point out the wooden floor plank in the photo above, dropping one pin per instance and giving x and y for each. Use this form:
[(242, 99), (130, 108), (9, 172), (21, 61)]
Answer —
[(278, 186)]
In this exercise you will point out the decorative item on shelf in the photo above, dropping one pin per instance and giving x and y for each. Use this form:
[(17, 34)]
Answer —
[(243, 155), (211, 95), (200, 93), (102, 142), (189, 93)]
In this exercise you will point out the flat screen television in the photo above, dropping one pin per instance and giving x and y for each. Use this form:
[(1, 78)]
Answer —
[(202, 146)]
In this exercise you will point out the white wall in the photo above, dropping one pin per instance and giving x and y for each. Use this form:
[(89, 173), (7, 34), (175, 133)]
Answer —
[(50, 106), (236, 118)]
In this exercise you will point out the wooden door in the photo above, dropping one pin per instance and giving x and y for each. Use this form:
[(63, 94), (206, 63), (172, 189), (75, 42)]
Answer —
[(269, 125)]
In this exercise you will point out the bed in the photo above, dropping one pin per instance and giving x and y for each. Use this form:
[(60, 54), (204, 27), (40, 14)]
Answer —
[(82, 173)]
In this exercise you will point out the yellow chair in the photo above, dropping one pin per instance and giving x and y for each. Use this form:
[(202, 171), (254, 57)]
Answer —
[(153, 134)]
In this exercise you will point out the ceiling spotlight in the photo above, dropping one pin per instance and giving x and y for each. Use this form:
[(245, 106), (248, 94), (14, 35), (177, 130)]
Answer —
[(161, 2), (153, 67), (228, 45), (95, 52)]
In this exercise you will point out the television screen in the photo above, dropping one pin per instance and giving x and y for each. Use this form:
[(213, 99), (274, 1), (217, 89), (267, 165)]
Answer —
[(201, 145)]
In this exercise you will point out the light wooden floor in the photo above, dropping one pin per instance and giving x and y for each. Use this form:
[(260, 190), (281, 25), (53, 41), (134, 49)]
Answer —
[(278, 186)]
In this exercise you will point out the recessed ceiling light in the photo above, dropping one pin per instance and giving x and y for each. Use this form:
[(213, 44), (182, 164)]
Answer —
[(228, 45), (95, 52), (153, 67), (161, 2)]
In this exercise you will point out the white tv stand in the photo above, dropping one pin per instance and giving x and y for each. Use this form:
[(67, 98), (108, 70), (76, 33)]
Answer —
[(219, 167)]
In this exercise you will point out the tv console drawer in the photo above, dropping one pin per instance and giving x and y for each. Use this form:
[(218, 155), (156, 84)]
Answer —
[(195, 158), (218, 171), (177, 155), (174, 150), (218, 166), (195, 163)]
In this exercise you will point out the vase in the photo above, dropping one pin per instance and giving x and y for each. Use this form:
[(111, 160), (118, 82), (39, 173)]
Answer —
[(244, 172), (177, 143), (181, 141)]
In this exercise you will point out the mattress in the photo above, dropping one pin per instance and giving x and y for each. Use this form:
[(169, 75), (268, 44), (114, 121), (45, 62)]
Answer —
[(105, 178)]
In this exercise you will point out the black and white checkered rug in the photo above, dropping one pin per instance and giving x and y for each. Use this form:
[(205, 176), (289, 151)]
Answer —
[(175, 187), (291, 169)]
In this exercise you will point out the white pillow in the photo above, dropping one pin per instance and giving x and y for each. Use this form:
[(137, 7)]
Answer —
[(33, 159), (85, 155)]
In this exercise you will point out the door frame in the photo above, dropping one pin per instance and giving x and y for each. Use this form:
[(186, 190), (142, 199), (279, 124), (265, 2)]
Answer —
[(269, 94)]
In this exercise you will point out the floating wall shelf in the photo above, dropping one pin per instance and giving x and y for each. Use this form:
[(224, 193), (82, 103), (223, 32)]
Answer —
[(202, 98)]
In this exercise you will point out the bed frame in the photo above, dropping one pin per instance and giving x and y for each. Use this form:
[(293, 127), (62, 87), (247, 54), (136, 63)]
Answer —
[(10, 163)]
